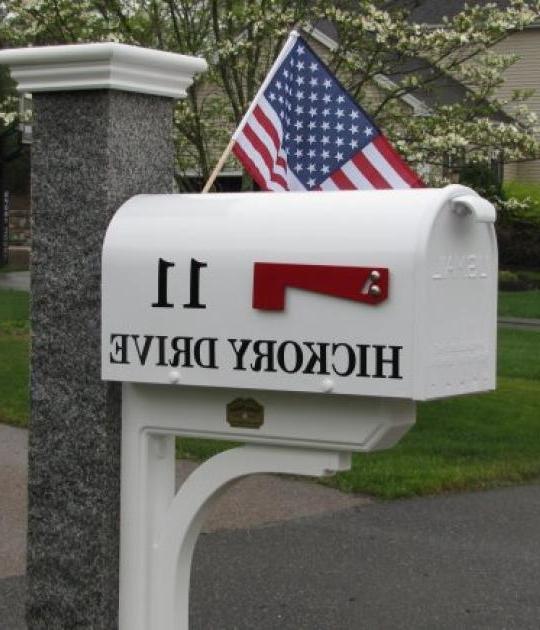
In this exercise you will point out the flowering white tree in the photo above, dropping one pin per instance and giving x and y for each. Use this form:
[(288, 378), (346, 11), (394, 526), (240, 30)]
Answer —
[(381, 56), (8, 122), (8, 102)]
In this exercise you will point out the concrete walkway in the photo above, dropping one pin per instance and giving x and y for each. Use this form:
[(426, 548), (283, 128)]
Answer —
[(13, 500), (288, 554), (256, 501), (18, 280), (252, 502), (519, 323)]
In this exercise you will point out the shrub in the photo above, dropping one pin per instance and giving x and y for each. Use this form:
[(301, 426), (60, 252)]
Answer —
[(530, 278), (528, 192), (519, 280), (509, 281), (519, 243), (482, 179)]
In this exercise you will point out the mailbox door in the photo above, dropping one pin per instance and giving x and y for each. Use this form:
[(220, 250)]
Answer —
[(457, 305)]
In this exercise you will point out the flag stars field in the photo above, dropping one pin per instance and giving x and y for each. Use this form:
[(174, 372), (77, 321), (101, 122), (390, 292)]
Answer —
[(285, 121)]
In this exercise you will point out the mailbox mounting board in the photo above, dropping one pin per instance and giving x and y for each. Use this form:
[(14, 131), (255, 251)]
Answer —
[(368, 293)]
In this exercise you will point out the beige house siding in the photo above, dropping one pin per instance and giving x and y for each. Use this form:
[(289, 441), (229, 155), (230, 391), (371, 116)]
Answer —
[(524, 74), (511, 171), (526, 172)]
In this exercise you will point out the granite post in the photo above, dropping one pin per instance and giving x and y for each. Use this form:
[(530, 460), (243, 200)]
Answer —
[(102, 133)]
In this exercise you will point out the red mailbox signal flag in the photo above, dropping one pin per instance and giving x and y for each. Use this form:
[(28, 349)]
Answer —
[(368, 285)]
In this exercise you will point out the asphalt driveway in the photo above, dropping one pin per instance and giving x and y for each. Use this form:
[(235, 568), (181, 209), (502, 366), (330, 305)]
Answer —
[(286, 554)]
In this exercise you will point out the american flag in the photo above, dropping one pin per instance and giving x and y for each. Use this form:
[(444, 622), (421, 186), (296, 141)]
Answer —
[(303, 131)]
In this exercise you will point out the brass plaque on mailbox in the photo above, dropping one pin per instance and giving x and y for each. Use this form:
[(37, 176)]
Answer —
[(245, 413)]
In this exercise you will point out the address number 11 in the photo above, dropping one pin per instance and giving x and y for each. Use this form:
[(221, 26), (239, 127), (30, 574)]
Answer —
[(194, 284)]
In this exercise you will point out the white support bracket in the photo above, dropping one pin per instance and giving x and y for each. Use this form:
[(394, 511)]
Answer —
[(159, 528)]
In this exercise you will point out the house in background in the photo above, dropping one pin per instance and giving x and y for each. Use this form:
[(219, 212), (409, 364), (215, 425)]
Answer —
[(15, 150), (523, 75), (444, 90), (323, 38)]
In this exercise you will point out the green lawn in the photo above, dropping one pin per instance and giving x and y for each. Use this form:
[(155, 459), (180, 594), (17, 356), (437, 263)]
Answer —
[(14, 357), (467, 442), (12, 267), (519, 304), (517, 355), (461, 443), (13, 305), (13, 375)]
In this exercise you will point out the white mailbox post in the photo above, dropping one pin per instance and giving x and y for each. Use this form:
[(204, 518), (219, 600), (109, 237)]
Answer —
[(306, 325)]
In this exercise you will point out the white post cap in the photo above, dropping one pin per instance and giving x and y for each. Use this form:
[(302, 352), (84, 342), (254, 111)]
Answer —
[(106, 65)]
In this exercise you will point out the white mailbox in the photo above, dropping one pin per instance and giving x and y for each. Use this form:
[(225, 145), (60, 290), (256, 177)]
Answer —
[(308, 321), (366, 293), (387, 294)]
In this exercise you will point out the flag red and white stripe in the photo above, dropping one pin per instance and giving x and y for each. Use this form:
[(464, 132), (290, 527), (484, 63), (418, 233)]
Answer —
[(303, 131)]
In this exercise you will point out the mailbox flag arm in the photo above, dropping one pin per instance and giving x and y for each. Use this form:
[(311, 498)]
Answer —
[(361, 284), (482, 209)]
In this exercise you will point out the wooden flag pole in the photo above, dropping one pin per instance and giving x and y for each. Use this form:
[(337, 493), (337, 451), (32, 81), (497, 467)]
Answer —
[(219, 165), (284, 52)]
